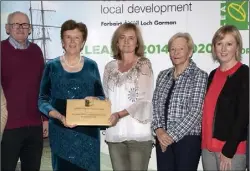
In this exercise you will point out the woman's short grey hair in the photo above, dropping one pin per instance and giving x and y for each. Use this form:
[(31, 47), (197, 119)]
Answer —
[(187, 36)]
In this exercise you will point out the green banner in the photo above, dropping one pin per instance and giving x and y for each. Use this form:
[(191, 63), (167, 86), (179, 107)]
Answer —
[(235, 13)]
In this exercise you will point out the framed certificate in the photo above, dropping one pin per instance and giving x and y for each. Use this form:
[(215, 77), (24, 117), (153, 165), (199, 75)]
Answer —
[(88, 112)]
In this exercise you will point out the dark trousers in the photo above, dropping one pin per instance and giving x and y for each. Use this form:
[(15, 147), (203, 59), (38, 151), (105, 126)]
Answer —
[(25, 143), (59, 164), (183, 155)]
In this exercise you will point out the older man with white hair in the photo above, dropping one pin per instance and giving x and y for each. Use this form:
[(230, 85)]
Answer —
[(22, 66)]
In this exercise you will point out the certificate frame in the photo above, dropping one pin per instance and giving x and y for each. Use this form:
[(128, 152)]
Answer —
[(88, 112)]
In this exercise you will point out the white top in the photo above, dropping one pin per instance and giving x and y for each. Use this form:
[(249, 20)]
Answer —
[(133, 91)]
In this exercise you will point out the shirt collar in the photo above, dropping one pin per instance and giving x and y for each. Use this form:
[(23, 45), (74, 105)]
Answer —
[(17, 45)]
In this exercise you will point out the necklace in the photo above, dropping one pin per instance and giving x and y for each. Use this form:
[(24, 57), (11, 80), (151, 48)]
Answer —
[(71, 66)]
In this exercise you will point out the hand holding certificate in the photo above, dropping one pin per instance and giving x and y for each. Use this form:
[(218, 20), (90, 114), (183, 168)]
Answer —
[(88, 112)]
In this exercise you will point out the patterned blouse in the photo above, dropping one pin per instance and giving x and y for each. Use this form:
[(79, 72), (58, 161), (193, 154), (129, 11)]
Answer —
[(131, 90)]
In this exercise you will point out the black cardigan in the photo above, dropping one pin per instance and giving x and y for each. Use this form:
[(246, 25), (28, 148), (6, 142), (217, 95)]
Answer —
[(232, 110)]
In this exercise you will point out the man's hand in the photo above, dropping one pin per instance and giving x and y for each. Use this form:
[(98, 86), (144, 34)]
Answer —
[(45, 129)]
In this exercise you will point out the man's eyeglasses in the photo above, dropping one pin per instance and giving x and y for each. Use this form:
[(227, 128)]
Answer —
[(18, 25)]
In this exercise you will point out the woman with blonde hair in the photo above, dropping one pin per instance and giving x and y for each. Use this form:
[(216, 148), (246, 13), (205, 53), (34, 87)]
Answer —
[(226, 106), (128, 84)]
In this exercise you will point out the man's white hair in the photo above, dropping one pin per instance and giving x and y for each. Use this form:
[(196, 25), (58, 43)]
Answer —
[(11, 15)]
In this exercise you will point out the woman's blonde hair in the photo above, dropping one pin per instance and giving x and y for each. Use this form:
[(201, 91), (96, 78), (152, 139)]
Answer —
[(187, 36), (221, 33), (139, 50)]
